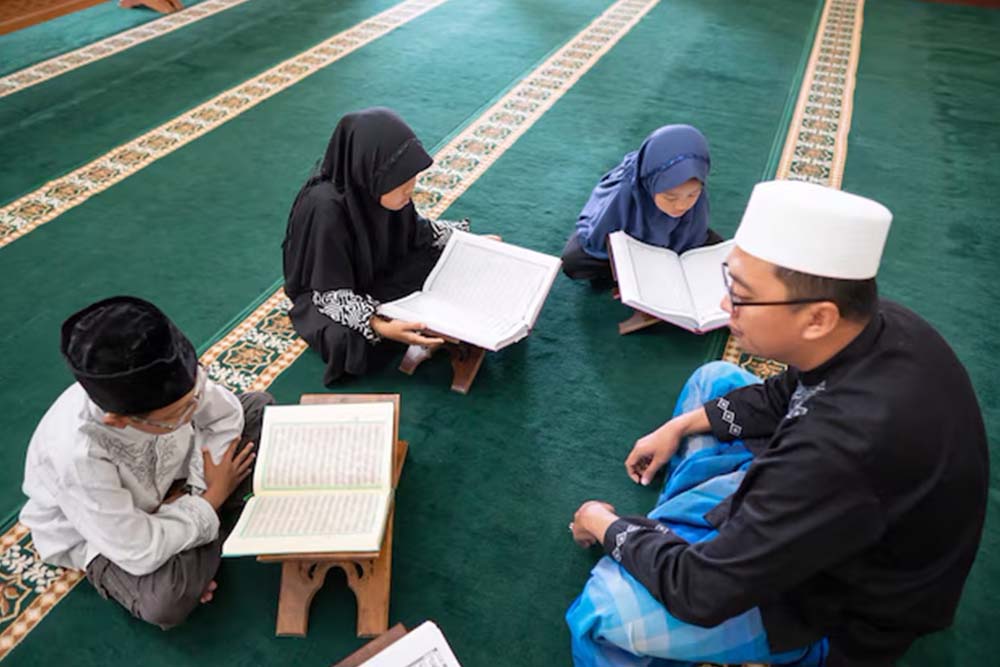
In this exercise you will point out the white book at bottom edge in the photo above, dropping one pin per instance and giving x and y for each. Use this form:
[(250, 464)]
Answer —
[(424, 646), (481, 291), (685, 290)]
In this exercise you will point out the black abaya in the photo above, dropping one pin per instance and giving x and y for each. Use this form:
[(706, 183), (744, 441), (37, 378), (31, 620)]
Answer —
[(340, 239)]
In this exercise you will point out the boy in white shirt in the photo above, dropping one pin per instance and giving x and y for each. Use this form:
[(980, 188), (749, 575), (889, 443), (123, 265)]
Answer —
[(127, 471)]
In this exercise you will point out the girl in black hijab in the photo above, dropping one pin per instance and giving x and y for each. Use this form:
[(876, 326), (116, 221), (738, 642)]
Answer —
[(354, 240)]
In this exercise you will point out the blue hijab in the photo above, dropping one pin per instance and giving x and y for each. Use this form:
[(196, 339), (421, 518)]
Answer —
[(623, 200)]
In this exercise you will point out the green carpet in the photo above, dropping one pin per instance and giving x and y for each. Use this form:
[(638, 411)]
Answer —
[(52, 38), (111, 101), (492, 478), (923, 141)]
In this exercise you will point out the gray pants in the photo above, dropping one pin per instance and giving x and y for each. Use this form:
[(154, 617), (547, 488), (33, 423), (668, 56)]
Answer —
[(167, 596)]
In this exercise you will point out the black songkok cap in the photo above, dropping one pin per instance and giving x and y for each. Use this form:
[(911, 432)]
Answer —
[(128, 356)]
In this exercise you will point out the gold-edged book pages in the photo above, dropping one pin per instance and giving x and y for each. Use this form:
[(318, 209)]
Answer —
[(323, 482)]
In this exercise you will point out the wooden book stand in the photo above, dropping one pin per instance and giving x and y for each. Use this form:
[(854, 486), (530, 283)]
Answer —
[(368, 573), (466, 359), (638, 320)]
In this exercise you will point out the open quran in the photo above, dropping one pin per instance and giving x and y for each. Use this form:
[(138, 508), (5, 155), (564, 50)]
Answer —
[(481, 291), (323, 481), (685, 289), (424, 646)]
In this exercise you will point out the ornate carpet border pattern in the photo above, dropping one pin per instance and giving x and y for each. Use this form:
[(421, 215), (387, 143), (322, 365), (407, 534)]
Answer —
[(56, 197), (71, 60), (816, 145), (29, 588), (260, 348)]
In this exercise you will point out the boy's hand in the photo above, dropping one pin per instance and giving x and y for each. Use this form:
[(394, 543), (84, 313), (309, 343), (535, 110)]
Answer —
[(176, 490), (222, 479)]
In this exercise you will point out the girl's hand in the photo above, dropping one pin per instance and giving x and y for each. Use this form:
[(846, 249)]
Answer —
[(411, 333)]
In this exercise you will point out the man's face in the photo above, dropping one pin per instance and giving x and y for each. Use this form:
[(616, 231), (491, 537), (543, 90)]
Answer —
[(768, 331), (397, 198)]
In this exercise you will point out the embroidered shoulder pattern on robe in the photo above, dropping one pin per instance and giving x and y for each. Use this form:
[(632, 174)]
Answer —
[(443, 229), (797, 404), (349, 308)]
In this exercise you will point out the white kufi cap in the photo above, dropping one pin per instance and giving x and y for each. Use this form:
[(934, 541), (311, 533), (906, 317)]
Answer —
[(814, 229)]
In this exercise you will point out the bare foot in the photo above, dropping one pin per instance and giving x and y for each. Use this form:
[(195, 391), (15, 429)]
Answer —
[(420, 353), (209, 592)]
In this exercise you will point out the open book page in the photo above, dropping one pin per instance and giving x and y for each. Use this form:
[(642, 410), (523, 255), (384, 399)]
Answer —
[(703, 268), (425, 646), (321, 447), (499, 287), (485, 275), (485, 329), (650, 278), (303, 522)]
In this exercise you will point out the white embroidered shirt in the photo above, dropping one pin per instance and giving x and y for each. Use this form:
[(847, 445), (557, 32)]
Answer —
[(96, 489)]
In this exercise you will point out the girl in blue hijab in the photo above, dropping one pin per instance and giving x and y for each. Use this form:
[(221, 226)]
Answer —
[(657, 195)]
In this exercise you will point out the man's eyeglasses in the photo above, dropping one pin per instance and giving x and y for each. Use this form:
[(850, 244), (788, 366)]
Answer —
[(727, 280), (189, 409)]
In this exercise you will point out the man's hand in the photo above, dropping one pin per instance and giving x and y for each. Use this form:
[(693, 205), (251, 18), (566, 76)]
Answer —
[(591, 521), (650, 452), (222, 479), (494, 237), (410, 333)]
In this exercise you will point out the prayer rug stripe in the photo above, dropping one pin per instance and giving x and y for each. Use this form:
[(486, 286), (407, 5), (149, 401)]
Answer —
[(264, 344), (67, 62), (58, 196), (254, 353), (816, 143)]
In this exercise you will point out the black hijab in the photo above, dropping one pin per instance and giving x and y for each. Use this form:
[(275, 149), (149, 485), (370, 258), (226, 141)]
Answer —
[(338, 235)]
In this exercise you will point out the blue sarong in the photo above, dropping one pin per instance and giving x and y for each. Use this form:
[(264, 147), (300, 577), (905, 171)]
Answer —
[(617, 622)]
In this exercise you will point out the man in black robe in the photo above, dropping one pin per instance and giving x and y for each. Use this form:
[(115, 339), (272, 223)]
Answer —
[(831, 514)]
